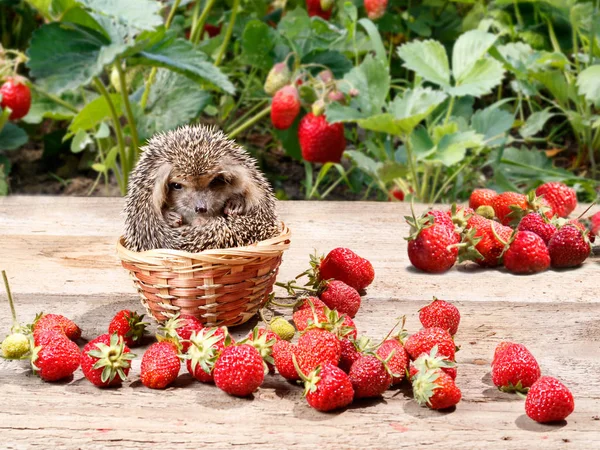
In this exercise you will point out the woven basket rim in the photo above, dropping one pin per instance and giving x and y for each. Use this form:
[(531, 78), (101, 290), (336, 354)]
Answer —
[(272, 246)]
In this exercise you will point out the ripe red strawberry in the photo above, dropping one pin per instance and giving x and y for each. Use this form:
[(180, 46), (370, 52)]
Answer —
[(54, 356), (500, 348), (527, 254), (320, 141), (304, 317), (442, 314), (433, 361), (488, 246), (369, 377), (263, 341), (239, 370), (16, 96), (436, 389), (105, 361), (561, 197), (212, 30), (282, 356), (397, 193), (515, 369), (548, 400), (595, 224), (482, 197), (375, 8), (56, 322), (314, 9), (425, 339), (160, 365), (502, 205), (328, 388), (278, 77), (442, 218), (538, 224), (349, 354), (317, 346), (398, 362), (569, 247), (316, 303), (129, 325), (285, 107), (341, 297), (205, 347), (431, 244), (343, 264), (179, 329)]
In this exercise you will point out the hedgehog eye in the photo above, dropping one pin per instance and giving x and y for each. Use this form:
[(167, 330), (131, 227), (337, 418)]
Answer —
[(176, 186), (218, 181)]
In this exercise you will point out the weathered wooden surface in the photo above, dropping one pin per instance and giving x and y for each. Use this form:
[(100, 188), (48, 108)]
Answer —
[(60, 257)]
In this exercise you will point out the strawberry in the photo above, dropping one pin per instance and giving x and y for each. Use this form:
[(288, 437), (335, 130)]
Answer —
[(431, 245), (526, 254), (538, 224), (561, 197), (282, 328), (179, 329), (314, 9), (342, 264), (160, 365), (425, 339), (278, 77), (569, 247), (502, 205), (205, 347), (482, 197), (211, 30), (16, 96), (369, 377), (105, 361), (129, 325), (305, 317), (485, 242), (436, 389), (285, 107), (396, 193), (515, 369), (431, 361), (320, 141), (54, 356), (548, 400), (328, 388), (500, 348), (15, 346), (317, 346), (442, 218), (338, 295), (56, 322), (442, 314), (398, 358), (306, 303), (239, 370), (263, 341), (349, 353), (375, 8), (282, 356), (595, 224)]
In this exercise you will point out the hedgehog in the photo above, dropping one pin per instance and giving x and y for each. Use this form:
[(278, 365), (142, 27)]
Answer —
[(194, 189)]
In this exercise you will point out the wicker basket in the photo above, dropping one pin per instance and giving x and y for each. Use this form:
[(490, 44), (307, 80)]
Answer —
[(219, 287)]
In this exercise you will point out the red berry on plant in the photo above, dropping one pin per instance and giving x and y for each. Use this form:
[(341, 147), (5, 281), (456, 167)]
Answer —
[(16, 96), (285, 107), (320, 141)]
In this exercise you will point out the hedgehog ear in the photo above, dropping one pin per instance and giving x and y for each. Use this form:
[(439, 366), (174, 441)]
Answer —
[(161, 187)]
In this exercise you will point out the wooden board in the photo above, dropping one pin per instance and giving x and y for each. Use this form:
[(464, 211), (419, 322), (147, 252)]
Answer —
[(60, 257)]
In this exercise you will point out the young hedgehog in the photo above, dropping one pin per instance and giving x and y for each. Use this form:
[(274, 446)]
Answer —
[(194, 189)]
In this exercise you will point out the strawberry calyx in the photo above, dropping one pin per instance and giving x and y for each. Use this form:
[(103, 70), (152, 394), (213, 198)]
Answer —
[(418, 224), (432, 361), (534, 204), (467, 250), (137, 326), (424, 384), (310, 380), (518, 388), (460, 217), (202, 349), (262, 344), (112, 359)]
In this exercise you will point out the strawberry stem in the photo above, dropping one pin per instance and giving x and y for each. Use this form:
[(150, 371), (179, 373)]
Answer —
[(10, 299)]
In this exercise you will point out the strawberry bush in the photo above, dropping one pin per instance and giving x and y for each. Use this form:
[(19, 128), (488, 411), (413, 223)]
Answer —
[(388, 100)]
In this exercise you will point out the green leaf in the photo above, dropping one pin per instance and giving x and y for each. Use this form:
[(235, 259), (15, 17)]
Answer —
[(64, 57), (258, 42), (555, 82), (375, 37), (428, 59), (12, 137), (480, 79), (180, 56), (469, 48), (296, 27), (452, 148), (390, 170), (44, 108), (588, 83), (174, 100), (372, 79), (80, 141), (414, 106), (94, 113), (140, 14), (365, 163), (535, 122), (336, 61), (493, 123), (422, 144)]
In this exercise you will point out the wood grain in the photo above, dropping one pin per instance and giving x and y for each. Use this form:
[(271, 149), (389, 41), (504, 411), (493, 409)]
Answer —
[(60, 257)]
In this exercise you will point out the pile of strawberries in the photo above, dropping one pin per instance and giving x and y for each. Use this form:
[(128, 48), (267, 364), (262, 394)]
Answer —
[(515, 369), (525, 233)]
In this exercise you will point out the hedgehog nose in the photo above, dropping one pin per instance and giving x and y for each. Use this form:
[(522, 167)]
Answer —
[(200, 208)]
